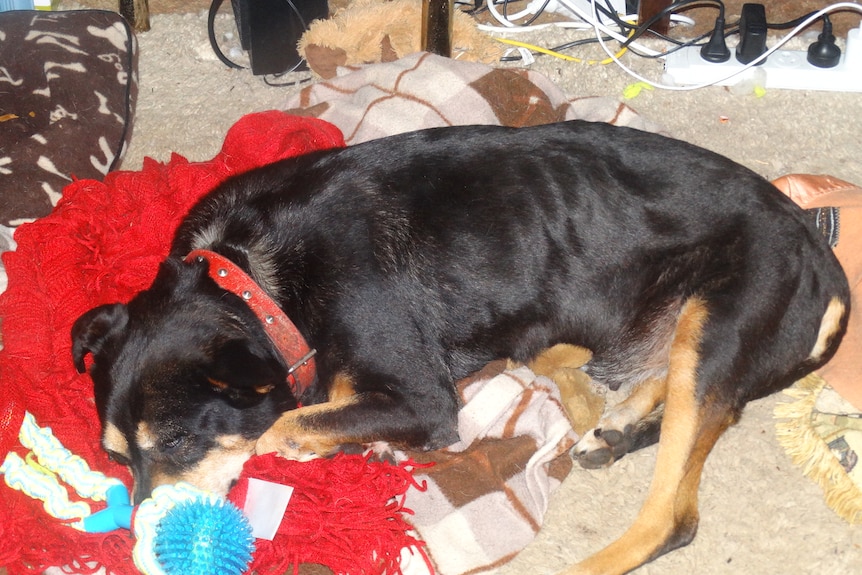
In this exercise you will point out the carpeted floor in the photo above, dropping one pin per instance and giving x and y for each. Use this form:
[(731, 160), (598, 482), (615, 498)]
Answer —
[(759, 514), (781, 132)]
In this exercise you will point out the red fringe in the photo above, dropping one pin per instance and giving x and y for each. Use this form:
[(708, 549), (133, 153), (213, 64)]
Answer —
[(346, 512)]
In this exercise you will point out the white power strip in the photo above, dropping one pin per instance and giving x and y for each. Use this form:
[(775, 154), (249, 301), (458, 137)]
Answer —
[(782, 69)]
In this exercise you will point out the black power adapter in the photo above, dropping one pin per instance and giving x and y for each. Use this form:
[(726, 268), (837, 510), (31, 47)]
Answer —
[(270, 29), (752, 33)]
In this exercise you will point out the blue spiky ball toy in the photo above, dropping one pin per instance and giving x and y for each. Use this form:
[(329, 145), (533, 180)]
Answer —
[(195, 538), (184, 531)]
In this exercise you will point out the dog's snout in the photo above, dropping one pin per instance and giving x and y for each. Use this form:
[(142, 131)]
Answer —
[(143, 483), (140, 492)]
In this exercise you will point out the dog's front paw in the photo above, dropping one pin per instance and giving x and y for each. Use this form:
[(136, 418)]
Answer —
[(292, 437), (271, 442), (601, 447), (283, 440)]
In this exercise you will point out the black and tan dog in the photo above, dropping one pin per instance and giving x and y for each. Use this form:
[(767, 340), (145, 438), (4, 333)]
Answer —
[(411, 261)]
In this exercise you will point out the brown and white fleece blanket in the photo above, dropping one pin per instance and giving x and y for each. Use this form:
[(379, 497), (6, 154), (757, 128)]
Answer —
[(486, 496), (425, 91)]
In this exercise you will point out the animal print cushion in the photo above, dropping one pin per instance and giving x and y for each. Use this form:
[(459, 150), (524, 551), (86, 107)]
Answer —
[(67, 93)]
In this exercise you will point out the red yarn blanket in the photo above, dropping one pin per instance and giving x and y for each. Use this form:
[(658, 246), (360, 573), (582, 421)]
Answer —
[(102, 244)]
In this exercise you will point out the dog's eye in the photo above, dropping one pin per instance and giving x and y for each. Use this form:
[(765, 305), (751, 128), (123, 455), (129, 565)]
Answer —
[(172, 443), (117, 458)]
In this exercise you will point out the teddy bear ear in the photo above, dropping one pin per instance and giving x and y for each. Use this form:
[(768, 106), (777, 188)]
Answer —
[(324, 61), (387, 51)]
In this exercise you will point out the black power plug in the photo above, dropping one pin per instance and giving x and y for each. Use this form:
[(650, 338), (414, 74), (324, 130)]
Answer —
[(824, 53), (752, 33), (716, 49)]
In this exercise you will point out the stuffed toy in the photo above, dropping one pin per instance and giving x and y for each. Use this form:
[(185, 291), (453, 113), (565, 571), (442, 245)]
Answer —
[(368, 31), (583, 400)]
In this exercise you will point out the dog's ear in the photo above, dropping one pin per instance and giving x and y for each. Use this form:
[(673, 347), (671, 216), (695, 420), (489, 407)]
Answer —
[(243, 375), (94, 328)]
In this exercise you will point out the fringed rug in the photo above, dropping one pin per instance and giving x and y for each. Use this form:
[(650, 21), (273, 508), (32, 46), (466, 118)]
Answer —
[(822, 433)]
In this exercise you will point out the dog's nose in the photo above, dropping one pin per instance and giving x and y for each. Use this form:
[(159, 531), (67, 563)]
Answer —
[(139, 496), (142, 488)]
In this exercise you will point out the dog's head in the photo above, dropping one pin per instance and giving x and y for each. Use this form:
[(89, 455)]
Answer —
[(185, 380)]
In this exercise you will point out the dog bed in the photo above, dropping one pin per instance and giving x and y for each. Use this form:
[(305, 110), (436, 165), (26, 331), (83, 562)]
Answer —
[(102, 243), (66, 106)]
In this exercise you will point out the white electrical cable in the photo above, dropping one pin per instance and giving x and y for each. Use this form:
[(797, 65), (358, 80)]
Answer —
[(593, 18), (680, 19), (590, 21), (534, 27), (513, 28), (816, 16)]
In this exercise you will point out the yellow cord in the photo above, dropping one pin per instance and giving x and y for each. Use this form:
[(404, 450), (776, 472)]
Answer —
[(535, 48)]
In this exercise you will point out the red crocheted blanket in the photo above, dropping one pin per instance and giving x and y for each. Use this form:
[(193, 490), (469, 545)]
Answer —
[(103, 244)]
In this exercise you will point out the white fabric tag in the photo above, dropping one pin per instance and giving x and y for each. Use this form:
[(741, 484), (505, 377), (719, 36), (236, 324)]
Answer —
[(265, 504)]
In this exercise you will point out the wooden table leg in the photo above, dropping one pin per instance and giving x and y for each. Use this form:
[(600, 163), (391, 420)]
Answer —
[(437, 20), (136, 13), (649, 8)]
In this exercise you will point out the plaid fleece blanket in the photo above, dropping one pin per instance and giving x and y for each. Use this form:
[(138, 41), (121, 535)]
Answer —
[(425, 90), (487, 495)]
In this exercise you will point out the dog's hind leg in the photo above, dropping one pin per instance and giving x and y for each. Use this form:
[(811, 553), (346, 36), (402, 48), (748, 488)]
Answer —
[(690, 427)]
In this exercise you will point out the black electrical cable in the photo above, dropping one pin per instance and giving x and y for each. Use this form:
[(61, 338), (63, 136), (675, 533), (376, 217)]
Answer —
[(566, 46), (214, 8), (304, 27), (269, 82), (612, 14), (679, 46), (791, 24), (537, 14), (643, 27), (298, 14), (729, 30), (478, 7), (579, 43)]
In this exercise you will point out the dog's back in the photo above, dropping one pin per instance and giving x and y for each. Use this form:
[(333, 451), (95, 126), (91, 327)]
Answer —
[(577, 231)]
